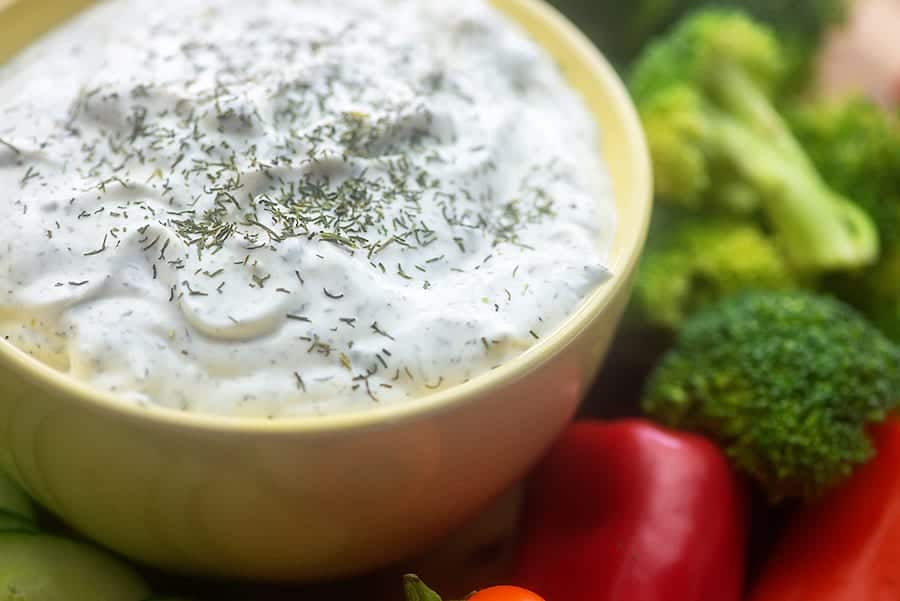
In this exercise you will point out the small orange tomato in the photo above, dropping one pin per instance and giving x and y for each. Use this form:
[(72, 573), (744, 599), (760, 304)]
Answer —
[(416, 590), (505, 593)]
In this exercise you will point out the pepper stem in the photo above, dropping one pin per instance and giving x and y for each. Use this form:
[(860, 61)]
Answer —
[(416, 590)]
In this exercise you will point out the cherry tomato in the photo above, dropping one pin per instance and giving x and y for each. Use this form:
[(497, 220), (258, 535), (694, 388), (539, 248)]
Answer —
[(505, 593)]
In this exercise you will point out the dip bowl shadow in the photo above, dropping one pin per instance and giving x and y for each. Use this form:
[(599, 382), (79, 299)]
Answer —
[(325, 497)]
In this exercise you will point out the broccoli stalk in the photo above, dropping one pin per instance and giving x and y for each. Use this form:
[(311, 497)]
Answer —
[(786, 381), (705, 93), (692, 261)]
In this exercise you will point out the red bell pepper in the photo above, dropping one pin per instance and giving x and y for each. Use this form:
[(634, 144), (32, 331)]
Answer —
[(846, 547), (629, 511)]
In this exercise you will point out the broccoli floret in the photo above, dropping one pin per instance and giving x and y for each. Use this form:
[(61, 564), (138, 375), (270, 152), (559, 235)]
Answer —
[(801, 26), (856, 146), (693, 261), (787, 383), (705, 96), (622, 29)]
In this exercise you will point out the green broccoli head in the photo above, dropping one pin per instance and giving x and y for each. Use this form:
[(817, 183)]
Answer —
[(703, 47), (676, 129), (670, 85), (787, 383), (705, 94), (694, 261)]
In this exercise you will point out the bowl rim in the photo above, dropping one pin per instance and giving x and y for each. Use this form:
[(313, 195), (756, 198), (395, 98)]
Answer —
[(623, 264)]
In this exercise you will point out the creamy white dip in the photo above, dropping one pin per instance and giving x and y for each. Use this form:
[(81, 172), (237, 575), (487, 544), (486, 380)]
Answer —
[(292, 207)]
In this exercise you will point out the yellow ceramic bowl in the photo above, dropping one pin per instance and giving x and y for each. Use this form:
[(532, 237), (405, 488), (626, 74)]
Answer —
[(317, 498)]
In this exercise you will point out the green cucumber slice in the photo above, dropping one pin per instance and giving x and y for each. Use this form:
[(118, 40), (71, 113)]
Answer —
[(15, 523), (15, 500), (36, 567)]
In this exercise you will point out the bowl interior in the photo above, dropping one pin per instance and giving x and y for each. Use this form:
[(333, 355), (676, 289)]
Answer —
[(624, 151)]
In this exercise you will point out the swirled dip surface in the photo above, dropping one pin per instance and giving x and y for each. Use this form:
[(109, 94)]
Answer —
[(285, 207)]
